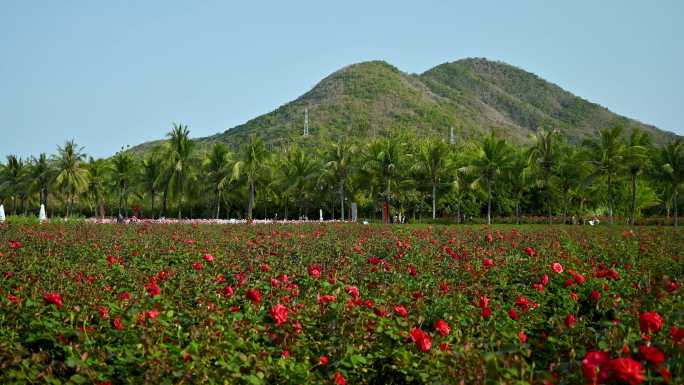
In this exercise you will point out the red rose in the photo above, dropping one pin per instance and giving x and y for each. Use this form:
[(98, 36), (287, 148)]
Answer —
[(677, 335), (314, 271), (522, 336), (326, 298), (486, 312), (279, 314), (339, 379), (228, 291), (197, 266), (399, 309), (488, 262), (570, 320), (624, 369), (557, 267), (592, 363), (651, 354), (484, 301), (117, 324), (650, 322), (53, 298), (595, 295), (254, 296), (152, 288), (513, 314), (353, 291), (324, 360), (442, 327), (208, 257), (422, 340)]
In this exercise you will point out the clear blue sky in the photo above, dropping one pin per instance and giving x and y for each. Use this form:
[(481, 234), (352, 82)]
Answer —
[(111, 73)]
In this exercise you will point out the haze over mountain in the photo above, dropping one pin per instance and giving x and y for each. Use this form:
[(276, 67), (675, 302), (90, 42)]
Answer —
[(474, 96)]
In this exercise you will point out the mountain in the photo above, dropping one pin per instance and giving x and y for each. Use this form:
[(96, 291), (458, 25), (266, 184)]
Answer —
[(472, 95)]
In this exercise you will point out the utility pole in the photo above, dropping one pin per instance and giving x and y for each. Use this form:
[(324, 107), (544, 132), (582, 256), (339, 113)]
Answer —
[(306, 122)]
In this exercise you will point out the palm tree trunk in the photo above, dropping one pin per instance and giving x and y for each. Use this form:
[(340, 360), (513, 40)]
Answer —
[(632, 219), (164, 202), (152, 193), (489, 202), (250, 202), (610, 199), (342, 200), (547, 190), (674, 206), (218, 203), (434, 200)]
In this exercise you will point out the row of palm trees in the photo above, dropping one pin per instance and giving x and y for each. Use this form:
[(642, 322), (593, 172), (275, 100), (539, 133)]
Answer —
[(618, 171)]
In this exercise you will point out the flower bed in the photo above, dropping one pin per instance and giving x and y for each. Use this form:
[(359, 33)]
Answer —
[(340, 303)]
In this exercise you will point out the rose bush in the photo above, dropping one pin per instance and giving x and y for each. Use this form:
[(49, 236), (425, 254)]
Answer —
[(340, 304)]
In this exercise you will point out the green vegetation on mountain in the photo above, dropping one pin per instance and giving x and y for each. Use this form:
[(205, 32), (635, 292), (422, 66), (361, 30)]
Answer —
[(475, 96)]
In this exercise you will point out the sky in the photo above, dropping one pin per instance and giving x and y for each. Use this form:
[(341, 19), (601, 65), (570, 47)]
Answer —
[(115, 73)]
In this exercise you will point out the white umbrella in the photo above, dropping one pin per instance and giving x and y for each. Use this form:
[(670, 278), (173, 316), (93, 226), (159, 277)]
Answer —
[(41, 216), (2, 213)]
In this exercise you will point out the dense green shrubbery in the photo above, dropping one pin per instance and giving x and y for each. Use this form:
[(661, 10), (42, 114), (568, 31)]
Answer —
[(168, 304)]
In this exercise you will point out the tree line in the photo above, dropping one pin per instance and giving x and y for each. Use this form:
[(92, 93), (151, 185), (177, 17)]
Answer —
[(618, 173)]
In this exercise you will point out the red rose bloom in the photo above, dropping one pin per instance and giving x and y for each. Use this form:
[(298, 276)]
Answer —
[(324, 360), (626, 370), (592, 363), (399, 309), (353, 291), (488, 262), (208, 257), (650, 322), (651, 354), (254, 296), (422, 340), (53, 298), (557, 267), (314, 271), (117, 324), (522, 336), (513, 314), (570, 320), (486, 312), (442, 327), (279, 314), (339, 379)]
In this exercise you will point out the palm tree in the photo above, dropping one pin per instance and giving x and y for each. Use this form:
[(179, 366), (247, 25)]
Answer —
[(636, 158), (671, 169), (299, 172), (491, 158), (41, 175), (518, 176), (544, 156), (252, 164), (382, 162), (123, 170), (217, 168), (178, 154), (571, 177), (432, 162), (13, 179), (72, 175), (96, 183), (340, 165), (151, 172), (606, 155)]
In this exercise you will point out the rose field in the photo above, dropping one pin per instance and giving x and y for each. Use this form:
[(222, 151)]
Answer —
[(340, 304)]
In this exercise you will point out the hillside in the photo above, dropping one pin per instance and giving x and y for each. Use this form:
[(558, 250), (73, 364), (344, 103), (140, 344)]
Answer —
[(472, 95)]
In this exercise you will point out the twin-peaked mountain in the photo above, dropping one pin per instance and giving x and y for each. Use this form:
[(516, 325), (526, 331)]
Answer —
[(474, 96)]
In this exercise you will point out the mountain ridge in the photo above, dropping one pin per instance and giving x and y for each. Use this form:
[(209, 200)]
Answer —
[(473, 95)]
